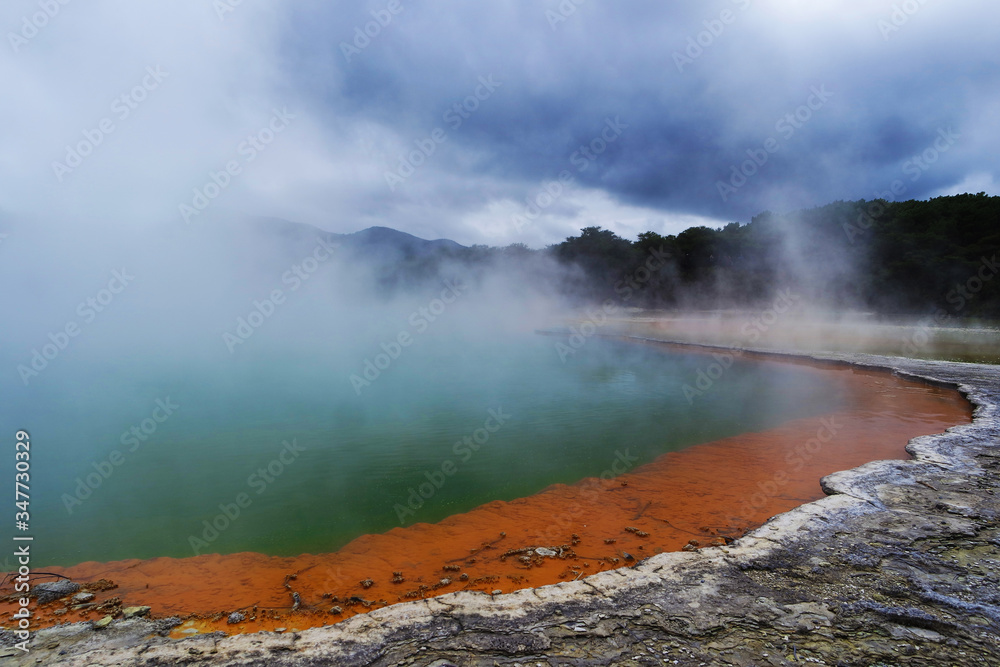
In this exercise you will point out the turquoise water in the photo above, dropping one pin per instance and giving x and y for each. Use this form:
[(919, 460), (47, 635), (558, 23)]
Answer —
[(356, 463)]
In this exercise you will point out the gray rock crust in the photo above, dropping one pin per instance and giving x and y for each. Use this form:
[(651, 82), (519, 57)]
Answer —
[(53, 590)]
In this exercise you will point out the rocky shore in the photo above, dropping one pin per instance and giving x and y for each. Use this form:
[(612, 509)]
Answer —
[(899, 565)]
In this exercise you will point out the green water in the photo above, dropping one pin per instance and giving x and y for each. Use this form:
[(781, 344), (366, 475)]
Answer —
[(358, 459)]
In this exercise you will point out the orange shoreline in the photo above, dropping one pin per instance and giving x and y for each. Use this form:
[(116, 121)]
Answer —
[(702, 496)]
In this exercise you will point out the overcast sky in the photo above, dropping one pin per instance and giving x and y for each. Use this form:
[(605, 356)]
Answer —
[(647, 111)]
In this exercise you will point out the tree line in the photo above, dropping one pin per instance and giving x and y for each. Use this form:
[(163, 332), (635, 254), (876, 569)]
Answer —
[(891, 258)]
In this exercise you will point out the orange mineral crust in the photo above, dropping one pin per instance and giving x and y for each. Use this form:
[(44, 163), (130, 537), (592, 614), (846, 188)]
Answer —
[(701, 497)]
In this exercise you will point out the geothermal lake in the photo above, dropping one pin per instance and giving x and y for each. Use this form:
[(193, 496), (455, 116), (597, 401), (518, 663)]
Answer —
[(359, 462)]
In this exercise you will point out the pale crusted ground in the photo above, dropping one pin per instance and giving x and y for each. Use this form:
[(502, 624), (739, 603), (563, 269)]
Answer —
[(899, 566)]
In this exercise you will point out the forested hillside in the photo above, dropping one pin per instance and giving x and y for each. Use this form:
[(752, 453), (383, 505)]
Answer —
[(903, 257), (911, 257)]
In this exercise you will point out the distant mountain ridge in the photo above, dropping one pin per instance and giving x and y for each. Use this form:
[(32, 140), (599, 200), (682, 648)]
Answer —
[(373, 241), (386, 237)]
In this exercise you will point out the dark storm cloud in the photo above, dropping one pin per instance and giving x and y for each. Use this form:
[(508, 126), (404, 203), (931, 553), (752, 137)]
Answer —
[(692, 116), (697, 89)]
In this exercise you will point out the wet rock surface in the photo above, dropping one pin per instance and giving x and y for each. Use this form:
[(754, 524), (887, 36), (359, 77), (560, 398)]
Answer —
[(900, 565)]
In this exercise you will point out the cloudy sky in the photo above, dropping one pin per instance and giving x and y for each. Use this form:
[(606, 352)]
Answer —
[(489, 122)]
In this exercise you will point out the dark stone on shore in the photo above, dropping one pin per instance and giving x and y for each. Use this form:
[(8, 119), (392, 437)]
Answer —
[(135, 612), (48, 591)]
